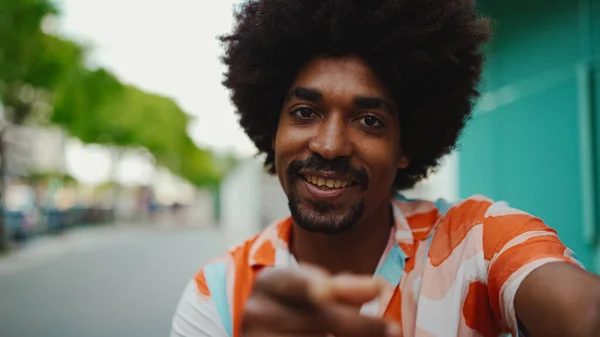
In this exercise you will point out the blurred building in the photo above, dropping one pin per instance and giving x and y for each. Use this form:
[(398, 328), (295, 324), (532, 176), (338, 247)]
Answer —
[(250, 200), (535, 138), (30, 150), (34, 148)]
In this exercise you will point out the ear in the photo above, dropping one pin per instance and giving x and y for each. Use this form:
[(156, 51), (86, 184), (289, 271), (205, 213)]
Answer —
[(403, 162)]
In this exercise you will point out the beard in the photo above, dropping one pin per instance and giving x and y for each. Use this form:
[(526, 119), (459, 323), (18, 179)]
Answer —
[(321, 216)]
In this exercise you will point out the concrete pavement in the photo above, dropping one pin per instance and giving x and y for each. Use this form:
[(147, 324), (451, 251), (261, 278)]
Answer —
[(112, 281)]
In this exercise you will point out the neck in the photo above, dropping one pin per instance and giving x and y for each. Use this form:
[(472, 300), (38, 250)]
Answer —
[(356, 251)]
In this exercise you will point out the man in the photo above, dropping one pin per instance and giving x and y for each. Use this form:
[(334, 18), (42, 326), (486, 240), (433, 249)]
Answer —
[(352, 101)]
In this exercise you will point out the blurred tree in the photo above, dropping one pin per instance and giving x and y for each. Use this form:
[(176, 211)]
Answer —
[(162, 128), (31, 63), (199, 166), (21, 38), (44, 177), (84, 104), (163, 131), (96, 108), (43, 78)]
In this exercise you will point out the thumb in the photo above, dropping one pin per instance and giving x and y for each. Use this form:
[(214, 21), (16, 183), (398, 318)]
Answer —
[(355, 289), (350, 289)]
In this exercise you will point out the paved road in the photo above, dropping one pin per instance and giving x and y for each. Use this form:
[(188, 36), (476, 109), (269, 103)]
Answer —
[(107, 282)]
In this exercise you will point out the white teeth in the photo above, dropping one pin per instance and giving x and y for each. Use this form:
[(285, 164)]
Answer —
[(330, 183)]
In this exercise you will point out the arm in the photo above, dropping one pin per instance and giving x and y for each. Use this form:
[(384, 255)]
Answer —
[(533, 280), (559, 299), (196, 314)]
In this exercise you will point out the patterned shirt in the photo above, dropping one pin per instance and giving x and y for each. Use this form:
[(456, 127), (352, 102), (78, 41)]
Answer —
[(450, 270)]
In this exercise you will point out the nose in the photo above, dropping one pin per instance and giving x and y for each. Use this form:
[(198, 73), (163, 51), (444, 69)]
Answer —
[(332, 139)]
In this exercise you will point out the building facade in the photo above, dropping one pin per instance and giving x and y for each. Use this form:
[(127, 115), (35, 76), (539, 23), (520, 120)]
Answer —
[(534, 140)]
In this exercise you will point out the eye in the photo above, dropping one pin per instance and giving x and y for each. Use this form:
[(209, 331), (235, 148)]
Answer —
[(370, 121), (303, 113)]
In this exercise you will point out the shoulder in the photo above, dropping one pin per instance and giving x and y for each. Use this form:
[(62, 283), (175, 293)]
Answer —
[(495, 218), (238, 262), (479, 223), (448, 218), (479, 210), (499, 222), (214, 299), (496, 228), (205, 306), (463, 215), (444, 214), (220, 269)]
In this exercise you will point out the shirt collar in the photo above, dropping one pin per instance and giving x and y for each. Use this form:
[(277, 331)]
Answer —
[(413, 222)]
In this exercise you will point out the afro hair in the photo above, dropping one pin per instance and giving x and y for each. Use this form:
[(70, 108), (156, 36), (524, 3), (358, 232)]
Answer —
[(427, 52)]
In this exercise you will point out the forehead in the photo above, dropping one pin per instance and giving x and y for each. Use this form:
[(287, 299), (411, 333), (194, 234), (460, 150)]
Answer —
[(340, 76)]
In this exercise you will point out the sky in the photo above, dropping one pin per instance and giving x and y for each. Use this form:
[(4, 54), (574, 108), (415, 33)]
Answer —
[(167, 47)]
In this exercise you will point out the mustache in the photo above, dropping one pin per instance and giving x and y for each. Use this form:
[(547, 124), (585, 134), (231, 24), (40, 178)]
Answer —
[(340, 166)]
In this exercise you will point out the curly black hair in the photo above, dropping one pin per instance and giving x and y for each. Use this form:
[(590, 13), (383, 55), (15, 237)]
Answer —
[(427, 52)]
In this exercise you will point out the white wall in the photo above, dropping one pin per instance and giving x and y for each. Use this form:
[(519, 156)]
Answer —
[(274, 201), (241, 202), (35, 148), (441, 184)]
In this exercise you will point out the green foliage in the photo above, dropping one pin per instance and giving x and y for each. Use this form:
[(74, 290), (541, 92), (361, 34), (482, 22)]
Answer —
[(38, 69), (199, 166), (84, 104), (36, 178), (158, 124), (97, 109), (107, 186), (21, 38)]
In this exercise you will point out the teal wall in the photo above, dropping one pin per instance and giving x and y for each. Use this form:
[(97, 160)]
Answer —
[(533, 140)]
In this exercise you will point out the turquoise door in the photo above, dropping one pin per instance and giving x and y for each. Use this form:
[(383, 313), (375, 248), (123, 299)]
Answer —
[(532, 141), (594, 106)]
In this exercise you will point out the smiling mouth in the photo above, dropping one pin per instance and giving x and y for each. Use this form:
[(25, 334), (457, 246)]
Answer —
[(326, 183)]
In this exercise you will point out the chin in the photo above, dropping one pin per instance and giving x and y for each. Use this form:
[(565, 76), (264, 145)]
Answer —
[(321, 226), (323, 218)]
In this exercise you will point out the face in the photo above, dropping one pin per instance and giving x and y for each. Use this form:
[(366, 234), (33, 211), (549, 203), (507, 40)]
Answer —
[(337, 148)]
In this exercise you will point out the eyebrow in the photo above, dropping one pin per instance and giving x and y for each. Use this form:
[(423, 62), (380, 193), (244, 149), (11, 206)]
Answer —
[(306, 94), (363, 102)]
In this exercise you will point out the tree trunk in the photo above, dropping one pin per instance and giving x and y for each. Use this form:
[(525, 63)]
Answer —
[(117, 155), (3, 229)]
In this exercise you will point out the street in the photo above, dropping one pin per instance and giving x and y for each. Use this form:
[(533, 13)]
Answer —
[(114, 281)]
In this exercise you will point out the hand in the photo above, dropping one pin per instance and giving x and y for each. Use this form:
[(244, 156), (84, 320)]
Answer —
[(307, 302)]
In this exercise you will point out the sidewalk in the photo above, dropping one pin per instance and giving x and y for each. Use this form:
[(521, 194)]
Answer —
[(115, 281), (47, 247)]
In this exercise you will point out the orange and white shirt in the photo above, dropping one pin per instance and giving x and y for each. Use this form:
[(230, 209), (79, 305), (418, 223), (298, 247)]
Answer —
[(450, 270)]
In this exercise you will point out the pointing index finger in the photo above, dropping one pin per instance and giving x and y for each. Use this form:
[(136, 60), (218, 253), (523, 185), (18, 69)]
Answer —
[(303, 286), (309, 285)]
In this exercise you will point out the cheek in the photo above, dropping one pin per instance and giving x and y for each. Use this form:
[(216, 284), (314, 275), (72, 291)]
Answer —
[(291, 142), (383, 161), (280, 144), (287, 146)]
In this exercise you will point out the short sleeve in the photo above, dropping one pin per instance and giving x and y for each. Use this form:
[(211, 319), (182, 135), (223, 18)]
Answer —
[(196, 314), (515, 244)]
